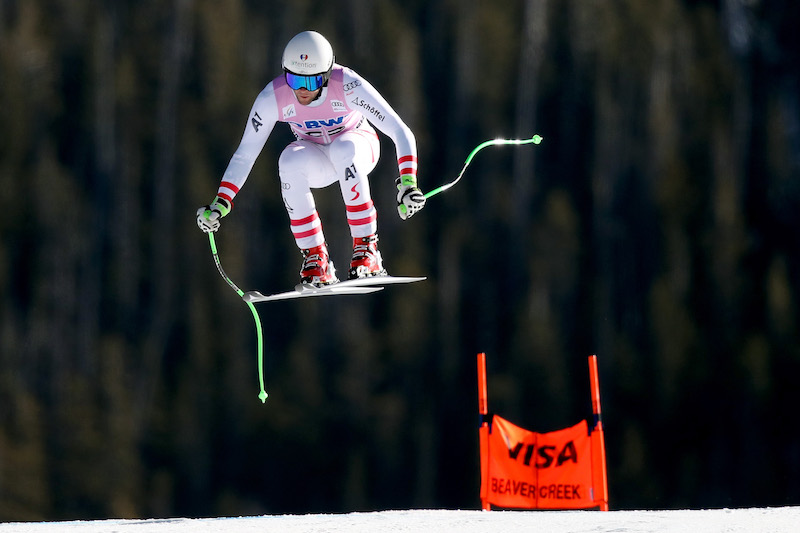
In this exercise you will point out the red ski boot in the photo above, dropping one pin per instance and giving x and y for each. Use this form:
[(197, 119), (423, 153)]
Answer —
[(366, 260), (317, 267)]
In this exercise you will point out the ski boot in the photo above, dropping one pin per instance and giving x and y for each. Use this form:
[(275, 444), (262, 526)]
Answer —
[(366, 260), (317, 267)]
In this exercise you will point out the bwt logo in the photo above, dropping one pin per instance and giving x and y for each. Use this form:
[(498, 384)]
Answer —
[(315, 124)]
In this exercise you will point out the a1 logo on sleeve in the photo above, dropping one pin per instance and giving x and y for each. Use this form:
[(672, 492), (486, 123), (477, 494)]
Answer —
[(256, 121)]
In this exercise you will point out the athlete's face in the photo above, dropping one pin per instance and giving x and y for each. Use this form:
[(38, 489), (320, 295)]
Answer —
[(304, 96)]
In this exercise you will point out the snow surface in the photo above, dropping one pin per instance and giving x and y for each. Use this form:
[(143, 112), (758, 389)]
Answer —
[(768, 520)]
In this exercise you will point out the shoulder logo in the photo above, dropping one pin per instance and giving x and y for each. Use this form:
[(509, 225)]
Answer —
[(289, 111), (256, 121), (352, 85), (370, 109)]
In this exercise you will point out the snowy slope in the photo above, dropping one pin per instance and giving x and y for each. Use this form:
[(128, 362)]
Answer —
[(771, 520)]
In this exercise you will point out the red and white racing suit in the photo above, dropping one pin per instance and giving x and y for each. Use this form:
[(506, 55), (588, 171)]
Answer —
[(335, 142)]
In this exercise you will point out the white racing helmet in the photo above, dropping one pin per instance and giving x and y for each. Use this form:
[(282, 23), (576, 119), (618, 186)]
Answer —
[(307, 61)]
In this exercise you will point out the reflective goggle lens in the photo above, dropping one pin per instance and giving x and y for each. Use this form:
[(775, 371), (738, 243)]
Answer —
[(312, 83)]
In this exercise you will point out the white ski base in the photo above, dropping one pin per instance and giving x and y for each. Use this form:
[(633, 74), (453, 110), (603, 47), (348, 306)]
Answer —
[(351, 286)]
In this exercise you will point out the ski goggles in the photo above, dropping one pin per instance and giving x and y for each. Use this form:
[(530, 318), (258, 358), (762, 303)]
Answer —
[(312, 83)]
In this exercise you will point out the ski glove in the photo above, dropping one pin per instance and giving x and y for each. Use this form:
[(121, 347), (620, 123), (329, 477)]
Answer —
[(208, 216), (409, 198)]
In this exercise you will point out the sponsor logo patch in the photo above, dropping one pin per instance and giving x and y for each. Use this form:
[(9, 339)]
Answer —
[(289, 111), (352, 85)]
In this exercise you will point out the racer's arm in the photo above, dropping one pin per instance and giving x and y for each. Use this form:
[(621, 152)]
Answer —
[(260, 123), (361, 96)]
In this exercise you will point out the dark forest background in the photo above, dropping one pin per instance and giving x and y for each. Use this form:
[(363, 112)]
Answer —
[(656, 225)]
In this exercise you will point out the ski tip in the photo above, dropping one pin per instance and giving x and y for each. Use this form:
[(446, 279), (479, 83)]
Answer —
[(249, 296)]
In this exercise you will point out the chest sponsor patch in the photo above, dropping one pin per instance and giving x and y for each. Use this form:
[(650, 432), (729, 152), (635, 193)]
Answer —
[(289, 111)]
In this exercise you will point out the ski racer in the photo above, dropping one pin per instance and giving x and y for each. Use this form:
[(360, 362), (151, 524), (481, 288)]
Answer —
[(331, 110)]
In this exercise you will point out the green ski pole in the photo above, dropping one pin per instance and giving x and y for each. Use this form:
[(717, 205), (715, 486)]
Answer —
[(263, 394), (536, 139)]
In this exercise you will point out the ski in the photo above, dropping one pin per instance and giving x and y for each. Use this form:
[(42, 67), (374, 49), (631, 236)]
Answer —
[(351, 286)]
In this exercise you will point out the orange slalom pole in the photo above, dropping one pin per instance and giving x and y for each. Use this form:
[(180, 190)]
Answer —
[(483, 401), (598, 439), (483, 431)]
